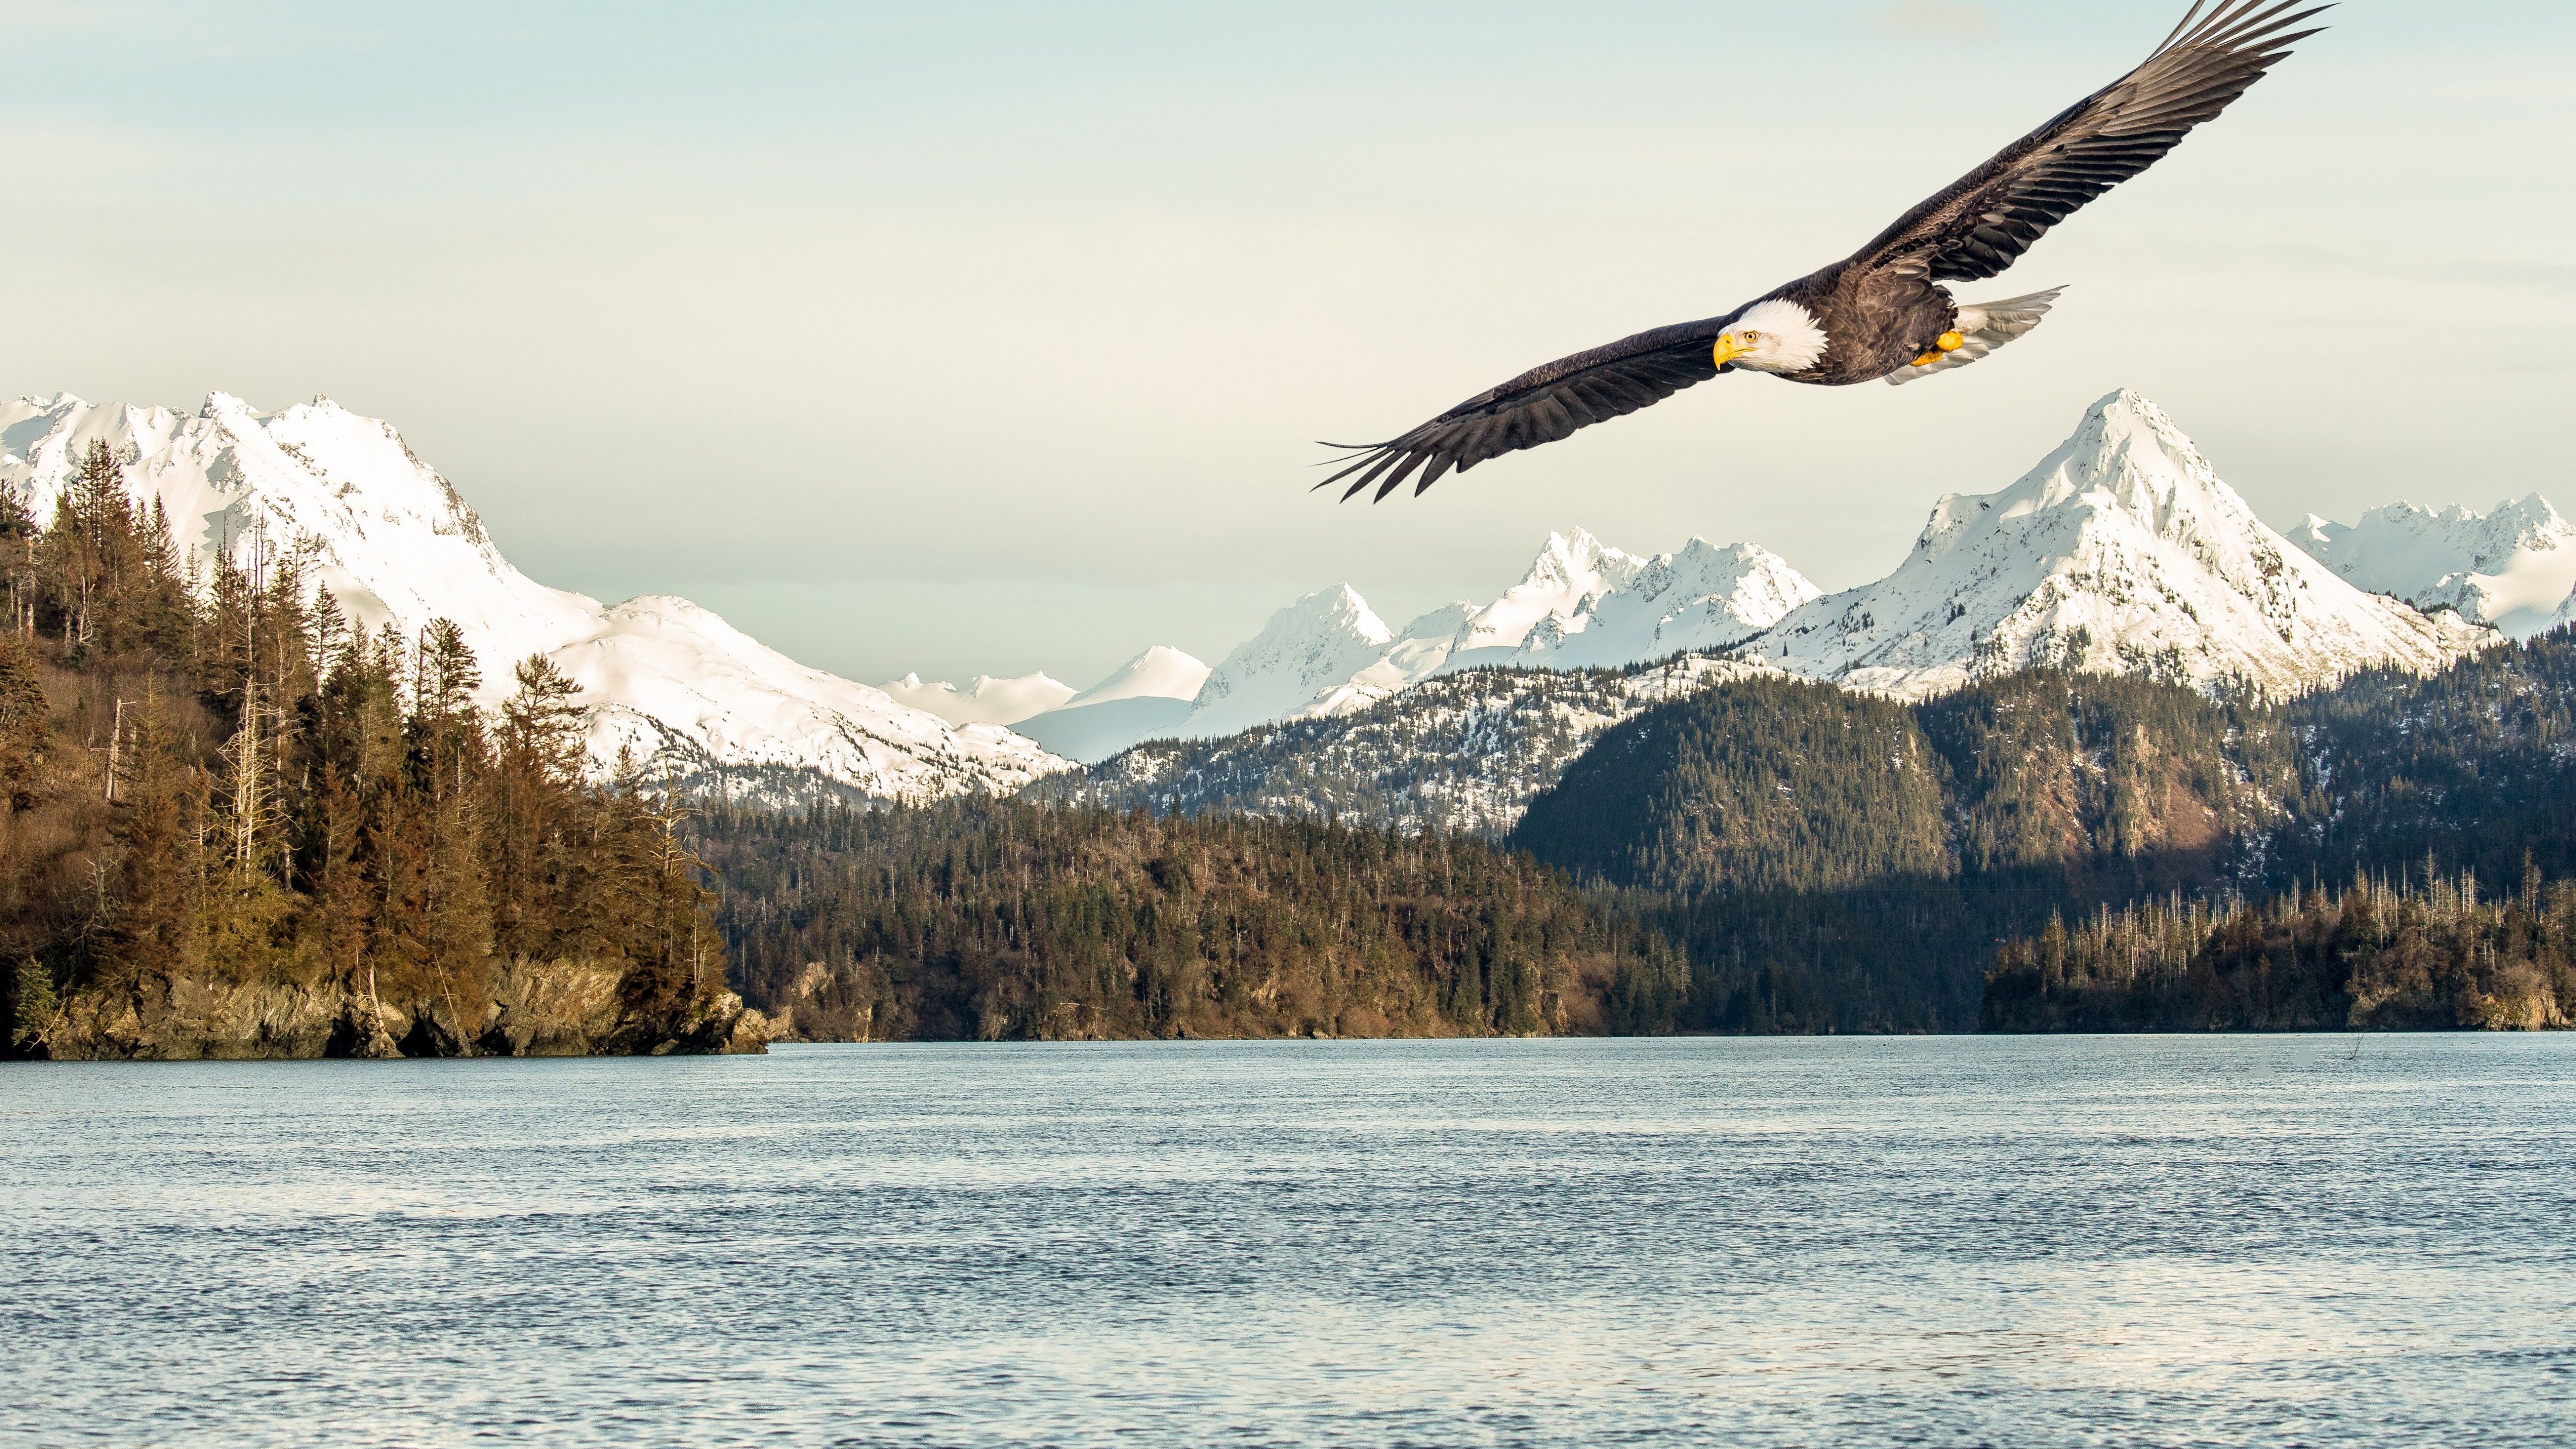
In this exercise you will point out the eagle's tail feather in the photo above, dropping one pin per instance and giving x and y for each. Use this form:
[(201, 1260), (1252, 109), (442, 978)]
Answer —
[(1986, 326)]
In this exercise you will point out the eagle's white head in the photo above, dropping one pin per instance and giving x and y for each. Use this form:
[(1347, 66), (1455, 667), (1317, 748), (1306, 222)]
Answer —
[(1773, 336)]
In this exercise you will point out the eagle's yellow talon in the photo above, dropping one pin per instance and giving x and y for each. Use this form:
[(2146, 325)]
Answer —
[(1951, 342), (1927, 359)]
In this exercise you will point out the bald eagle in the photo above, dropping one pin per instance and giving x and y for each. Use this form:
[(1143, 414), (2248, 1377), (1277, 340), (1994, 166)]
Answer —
[(1880, 313)]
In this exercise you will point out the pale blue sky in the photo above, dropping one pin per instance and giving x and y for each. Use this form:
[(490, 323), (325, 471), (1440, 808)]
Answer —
[(988, 337)]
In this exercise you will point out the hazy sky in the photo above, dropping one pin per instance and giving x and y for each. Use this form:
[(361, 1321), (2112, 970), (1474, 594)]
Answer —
[(985, 336)]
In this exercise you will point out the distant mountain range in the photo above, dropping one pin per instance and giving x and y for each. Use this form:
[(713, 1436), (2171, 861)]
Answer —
[(2513, 568), (2122, 551)]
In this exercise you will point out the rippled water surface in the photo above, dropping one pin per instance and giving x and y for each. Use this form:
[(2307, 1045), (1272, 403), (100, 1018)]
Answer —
[(1946, 1241)]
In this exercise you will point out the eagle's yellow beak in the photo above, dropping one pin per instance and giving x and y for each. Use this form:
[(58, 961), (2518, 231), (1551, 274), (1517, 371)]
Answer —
[(1729, 348)]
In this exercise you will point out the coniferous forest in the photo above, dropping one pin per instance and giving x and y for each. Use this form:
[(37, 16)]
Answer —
[(1836, 862), (2424, 953), (236, 825), (983, 919)]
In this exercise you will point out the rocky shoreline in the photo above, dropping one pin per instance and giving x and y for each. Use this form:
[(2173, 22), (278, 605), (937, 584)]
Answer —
[(538, 1009)]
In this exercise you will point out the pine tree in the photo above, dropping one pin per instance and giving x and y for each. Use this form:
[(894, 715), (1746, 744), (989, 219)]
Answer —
[(38, 1004), (22, 723)]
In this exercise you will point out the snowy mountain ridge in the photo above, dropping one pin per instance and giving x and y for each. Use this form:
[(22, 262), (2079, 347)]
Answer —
[(1582, 604), (1161, 672), (982, 699), (1705, 598), (2511, 567), (2122, 551), (1463, 751), (692, 698)]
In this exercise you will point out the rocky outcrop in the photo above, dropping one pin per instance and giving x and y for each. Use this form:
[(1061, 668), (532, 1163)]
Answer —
[(551, 1008)]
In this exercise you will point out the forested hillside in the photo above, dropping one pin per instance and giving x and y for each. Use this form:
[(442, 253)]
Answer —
[(990, 920), (236, 825), (1851, 863), (2428, 953), (2475, 766), (1867, 859)]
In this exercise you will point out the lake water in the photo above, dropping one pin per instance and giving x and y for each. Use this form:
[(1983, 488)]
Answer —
[(1935, 1241)]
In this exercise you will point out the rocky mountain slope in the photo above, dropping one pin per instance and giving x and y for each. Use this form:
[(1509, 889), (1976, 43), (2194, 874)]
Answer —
[(695, 701), (1458, 753)]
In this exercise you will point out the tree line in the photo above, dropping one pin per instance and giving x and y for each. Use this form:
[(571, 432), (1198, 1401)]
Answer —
[(212, 780)]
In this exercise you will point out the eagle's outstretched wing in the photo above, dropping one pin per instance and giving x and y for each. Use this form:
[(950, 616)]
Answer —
[(1540, 406), (1984, 222)]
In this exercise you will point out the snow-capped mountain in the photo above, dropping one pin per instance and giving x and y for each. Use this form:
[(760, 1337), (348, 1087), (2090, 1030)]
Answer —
[(1324, 654), (1706, 597), (983, 699), (1583, 604), (1161, 672), (695, 699), (1146, 697), (710, 706), (1572, 573), (397, 542), (2122, 551), (2511, 567)]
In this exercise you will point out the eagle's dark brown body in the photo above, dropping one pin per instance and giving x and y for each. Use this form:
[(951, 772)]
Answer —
[(1883, 307), (1875, 321)]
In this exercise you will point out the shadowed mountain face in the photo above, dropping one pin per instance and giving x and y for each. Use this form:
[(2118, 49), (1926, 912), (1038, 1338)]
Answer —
[(1787, 785)]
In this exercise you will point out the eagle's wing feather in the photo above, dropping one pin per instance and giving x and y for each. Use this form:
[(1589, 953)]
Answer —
[(1539, 406), (1984, 222)]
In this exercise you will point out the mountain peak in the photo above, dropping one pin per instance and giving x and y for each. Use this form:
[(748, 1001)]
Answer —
[(2121, 551), (1703, 598), (1161, 672), (1307, 660), (1337, 608), (1571, 571)]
